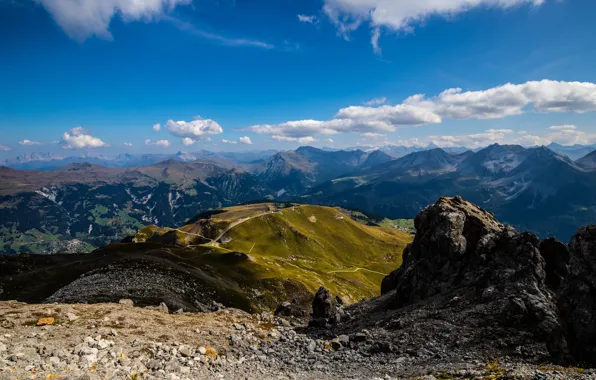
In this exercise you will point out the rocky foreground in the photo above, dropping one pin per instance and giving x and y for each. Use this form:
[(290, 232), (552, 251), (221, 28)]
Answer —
[(116, 341), (473, 299)]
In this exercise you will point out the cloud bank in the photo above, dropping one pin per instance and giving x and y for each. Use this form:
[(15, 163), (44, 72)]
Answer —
[(544, 96)]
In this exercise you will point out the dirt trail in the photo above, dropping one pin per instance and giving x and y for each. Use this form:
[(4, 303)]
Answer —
[(215, 241), (356, 270)]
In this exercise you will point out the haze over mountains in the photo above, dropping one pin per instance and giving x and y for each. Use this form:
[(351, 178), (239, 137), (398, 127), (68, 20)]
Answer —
[(84, 205)]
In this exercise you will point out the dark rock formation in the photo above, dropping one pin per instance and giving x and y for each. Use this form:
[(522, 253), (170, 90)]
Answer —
[(507, 284), (325, 308), (504, 285), (577, 299)]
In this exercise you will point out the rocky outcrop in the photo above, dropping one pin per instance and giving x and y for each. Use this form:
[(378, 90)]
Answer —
[(577, 298), (463, 252), (447, 235), (510, 283)]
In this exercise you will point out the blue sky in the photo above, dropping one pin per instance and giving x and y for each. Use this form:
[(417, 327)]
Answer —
[(211, 72)]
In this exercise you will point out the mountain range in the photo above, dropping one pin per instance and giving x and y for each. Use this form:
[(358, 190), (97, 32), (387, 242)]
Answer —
[(85, 205), (51, 161), (535, 189)]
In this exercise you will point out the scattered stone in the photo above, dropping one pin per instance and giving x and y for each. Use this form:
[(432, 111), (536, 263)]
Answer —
[(344, 340), (126, 302), (186, 352), (55, 360), (72, 317), (290, 309), (163, 308)]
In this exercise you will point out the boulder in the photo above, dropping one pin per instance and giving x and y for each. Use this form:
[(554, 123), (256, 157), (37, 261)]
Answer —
[(126, 302), (325, 308), (290, 309)]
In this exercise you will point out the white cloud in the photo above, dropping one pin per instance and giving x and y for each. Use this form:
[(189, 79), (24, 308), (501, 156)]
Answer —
[(404, 15), (299, 128), (390, 116), (223, 40), (477, 140), (570, 136), (562, 128), (29, 142), (187, 141), (372, 135), (229, 142), (301, 140), (354, 119), (245, 140), (376, 102), (503, 131), (330, 141), (157, 127), (128, 144), (196, 129), (4, 148), (307, 19), (78, 138), (510, 99), (532, 140), (81, 19), (560, 134), (162, 143), (374, 40)]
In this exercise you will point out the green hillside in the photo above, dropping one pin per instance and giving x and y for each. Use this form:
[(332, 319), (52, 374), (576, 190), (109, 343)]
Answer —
[(310, 245)]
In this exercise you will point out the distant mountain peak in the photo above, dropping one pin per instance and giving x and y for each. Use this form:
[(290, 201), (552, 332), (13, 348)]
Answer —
[(588, 161)]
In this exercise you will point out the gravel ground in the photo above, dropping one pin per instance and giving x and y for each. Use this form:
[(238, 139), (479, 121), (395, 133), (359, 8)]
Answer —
[(120, 341)]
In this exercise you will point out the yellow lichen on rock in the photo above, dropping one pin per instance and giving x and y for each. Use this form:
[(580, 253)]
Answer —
[(46, 321)]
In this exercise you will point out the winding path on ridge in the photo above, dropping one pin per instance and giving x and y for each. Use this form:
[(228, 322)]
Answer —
[(215, 241), (356, 270)]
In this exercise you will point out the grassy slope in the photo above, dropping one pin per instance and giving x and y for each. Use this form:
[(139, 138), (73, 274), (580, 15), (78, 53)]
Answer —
[(320, 246), (293, 251)]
